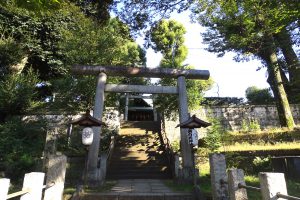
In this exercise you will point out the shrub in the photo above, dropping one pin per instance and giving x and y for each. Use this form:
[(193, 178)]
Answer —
[(213, 138), (21, 146)]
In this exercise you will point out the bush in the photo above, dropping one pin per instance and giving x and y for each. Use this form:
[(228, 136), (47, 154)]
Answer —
[(257, 96), (213, 138), (251, 165), (21, 146)]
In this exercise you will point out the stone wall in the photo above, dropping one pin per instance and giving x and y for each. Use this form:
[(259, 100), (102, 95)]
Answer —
[(232, 117), (110, 117)]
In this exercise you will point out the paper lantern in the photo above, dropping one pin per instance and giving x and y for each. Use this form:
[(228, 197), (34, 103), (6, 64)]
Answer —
[(87, 136)]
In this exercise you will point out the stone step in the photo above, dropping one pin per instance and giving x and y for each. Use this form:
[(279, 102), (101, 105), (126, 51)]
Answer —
[(135, 164), (127, 169), (149, 125), (137, 196), (138, 176)]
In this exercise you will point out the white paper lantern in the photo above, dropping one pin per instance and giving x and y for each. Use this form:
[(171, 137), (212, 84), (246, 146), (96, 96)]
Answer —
[(194, 138), (87, 136)]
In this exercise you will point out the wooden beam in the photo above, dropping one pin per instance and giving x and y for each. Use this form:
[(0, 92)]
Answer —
[(141, 72), (140, 89)]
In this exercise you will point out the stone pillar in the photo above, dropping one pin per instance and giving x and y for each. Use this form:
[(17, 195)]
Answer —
[(55, 175), (236, 177), (4, 186), (126, 107), (92, 170), (186, 151), (218, 176), (34, 183), (154, 114), (50, 143), (271, 184)]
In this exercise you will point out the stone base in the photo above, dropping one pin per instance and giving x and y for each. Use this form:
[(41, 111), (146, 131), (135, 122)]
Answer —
[(185, 175)]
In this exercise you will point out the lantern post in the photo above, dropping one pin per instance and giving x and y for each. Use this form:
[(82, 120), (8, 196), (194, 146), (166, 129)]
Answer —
[(87, 121), (192, 123)]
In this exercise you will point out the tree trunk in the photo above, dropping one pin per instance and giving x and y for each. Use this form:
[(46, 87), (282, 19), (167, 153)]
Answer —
[(271, 81), (283, 107), (284, 40)]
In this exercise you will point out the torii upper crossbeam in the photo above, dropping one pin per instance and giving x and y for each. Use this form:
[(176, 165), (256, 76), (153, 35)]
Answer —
[(141, 72)]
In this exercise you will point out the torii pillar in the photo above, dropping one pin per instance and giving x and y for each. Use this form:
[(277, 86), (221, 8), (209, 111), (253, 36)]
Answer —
[(185, 147), (93, 172)]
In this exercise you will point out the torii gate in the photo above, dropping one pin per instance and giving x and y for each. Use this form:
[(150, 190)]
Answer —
[(103, 71)]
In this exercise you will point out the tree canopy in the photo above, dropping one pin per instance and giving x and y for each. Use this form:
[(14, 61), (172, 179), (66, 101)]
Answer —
[(167, 37)]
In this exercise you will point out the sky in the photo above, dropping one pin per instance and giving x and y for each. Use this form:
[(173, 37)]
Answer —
[(231, 78)]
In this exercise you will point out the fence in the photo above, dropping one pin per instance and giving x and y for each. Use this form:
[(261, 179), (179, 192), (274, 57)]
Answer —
[(33, 184), (232, 186)]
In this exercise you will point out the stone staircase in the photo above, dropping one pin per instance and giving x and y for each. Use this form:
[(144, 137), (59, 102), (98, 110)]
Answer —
[(139, 167), (138, 153)]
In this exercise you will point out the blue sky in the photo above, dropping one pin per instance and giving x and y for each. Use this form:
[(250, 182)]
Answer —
[(231, 78)]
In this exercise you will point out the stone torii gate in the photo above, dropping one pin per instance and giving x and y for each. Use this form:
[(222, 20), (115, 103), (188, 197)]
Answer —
[(103, 71)]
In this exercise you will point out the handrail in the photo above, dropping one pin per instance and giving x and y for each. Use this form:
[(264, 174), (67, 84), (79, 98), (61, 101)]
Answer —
[(111, 147), (240, 185), (287, 196), (25, 191), (48, 185), (168, 149), (20, 193)]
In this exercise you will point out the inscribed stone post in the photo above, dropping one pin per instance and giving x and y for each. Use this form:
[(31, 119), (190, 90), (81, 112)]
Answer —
[(236, 177), (56, 176), (218, 176)]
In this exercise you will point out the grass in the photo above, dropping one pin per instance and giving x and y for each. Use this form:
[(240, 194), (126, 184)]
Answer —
[(260, 146), (281, 139), (179, 187), (106, 187), (293, 187)]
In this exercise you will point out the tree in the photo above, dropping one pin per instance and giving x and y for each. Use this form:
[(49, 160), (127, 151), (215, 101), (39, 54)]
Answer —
[(86, 44), (258, 96), (248, 28), (168, 38), (18, 94), (98, 10), (139, 14), (285, 43)]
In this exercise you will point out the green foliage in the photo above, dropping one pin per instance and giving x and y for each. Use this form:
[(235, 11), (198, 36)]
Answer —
[(251, 165), (17, 93), (258, 96), (175, 146), (98, 10), (168, 38), (11, 53), (21, 146), (87, 45), (251, 125), (214, 134), (33, 5), (139, 14), (244, 126), (254, 125)]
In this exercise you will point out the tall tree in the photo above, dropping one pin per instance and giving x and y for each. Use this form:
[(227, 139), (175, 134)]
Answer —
[(167, 37), (248, 28), (285, 43)]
